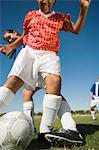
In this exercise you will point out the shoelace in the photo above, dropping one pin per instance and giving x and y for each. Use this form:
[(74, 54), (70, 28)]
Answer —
[(63, 130)]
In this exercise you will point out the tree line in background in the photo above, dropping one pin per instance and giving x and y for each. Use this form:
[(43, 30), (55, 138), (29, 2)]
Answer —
[(73, 112)]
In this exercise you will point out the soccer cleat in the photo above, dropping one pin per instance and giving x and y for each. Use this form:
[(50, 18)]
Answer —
[(64, 137)]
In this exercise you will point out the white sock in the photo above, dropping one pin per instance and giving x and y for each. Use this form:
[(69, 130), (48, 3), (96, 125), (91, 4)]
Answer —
[(51, 104), (93, 114), (28, 108), (65, 115), (6, 96)]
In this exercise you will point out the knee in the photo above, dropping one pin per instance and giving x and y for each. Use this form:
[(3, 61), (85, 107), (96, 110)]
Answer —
[(55, 81), (53, 85)]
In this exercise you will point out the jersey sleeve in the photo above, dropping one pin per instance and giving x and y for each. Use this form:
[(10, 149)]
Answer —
[(92, 88), (27, 21)]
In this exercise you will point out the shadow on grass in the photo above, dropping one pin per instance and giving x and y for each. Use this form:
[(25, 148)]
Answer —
[(82, 128), (87, 129)]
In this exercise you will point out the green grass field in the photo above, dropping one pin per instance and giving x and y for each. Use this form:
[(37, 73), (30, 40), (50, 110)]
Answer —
[(88, 128)]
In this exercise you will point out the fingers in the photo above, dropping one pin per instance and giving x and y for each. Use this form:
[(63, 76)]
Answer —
[(85, 3), (89, 1), (3, 50)]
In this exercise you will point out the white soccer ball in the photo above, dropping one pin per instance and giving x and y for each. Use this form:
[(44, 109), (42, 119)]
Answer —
[(15, 131)]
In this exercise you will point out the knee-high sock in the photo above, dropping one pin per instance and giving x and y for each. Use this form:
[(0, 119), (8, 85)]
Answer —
[(28, 108), (65, 115), (51, 104), (6, 96)]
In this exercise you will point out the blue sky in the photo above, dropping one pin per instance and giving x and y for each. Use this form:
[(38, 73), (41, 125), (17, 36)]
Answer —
[(79, 53)]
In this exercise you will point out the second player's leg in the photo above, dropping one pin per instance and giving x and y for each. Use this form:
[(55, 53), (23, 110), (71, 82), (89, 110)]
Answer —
[(28, 105)]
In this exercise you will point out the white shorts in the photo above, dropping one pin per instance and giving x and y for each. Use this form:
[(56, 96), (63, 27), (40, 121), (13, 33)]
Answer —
[(29, 63), (95, 101), (39, 84)]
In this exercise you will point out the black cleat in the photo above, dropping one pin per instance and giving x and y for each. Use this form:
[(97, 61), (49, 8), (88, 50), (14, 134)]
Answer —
[(65, 137)]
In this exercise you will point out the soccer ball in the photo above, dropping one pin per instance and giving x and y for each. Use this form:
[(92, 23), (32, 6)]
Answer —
[(15, 131)]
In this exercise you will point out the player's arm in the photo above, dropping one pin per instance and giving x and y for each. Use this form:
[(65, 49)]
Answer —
[(92, 91), (10, 47), (77, 27)]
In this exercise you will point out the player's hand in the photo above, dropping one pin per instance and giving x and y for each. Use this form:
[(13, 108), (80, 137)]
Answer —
[(6, 49), (85, 3)]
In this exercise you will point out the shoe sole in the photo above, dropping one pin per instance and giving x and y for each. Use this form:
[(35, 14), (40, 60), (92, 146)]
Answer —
[(53, 138)]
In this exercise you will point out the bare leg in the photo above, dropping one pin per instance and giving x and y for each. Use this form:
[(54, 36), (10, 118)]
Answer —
[(53, 84), (13, 83), (27, 95)]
